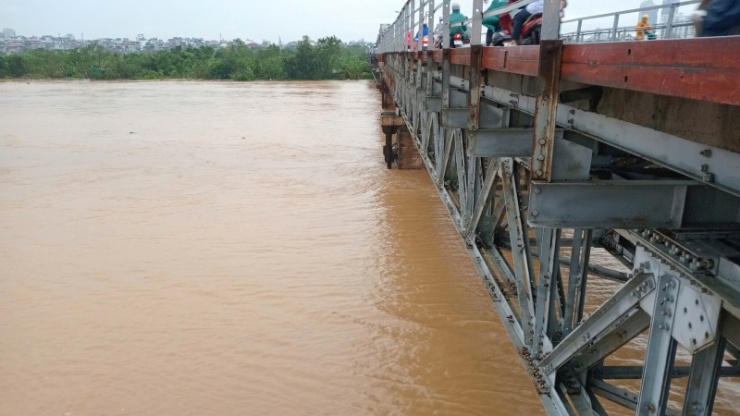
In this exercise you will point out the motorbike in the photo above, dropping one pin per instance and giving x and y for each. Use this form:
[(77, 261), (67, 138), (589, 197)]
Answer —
[(459, 40), (424, 43), (531, 29)]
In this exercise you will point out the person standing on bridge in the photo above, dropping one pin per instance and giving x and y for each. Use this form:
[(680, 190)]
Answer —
[(643, 27)]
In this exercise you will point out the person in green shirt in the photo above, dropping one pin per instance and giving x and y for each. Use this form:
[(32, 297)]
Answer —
[(456, 17), (491, 22)]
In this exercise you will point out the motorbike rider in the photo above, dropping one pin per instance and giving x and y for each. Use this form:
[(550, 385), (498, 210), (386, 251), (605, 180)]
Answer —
[(457, 17), (533, 8), (718, 18), (491, 22), (424, 34)]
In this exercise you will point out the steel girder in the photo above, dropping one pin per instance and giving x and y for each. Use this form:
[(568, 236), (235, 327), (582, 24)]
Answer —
[(485, 164)]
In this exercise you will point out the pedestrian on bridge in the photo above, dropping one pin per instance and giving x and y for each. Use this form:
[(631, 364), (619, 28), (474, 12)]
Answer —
[(643, 27)]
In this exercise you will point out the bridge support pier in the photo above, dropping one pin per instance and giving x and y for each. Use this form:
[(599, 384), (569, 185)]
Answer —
[(403, 151)]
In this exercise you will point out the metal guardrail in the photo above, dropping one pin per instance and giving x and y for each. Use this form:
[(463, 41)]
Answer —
[(667, 29), (403, 33)]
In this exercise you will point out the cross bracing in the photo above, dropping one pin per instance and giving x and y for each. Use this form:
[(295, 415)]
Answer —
[(537, 171)]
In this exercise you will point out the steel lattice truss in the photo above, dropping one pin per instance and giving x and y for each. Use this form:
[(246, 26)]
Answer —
[(530, 211)]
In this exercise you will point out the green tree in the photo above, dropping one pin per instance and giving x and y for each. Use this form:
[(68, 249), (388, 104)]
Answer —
[(16, 66), (304, 63), (270, 63), (327, 54)]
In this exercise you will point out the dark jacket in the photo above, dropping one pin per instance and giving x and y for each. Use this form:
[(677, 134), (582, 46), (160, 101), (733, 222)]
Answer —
[(722, 19)]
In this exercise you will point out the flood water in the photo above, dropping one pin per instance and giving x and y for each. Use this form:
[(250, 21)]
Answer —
[(194, 248)]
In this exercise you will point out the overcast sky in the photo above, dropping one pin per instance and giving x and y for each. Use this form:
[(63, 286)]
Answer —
[(230, 19)]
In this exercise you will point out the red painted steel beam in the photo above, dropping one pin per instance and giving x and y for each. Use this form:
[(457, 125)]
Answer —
[(438, 55), (706, 69), (523, 60), (460, 56)]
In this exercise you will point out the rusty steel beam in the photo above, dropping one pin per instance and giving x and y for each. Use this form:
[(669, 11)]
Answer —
[(706, 69), (546, 109), (523, 60), (460, 56)]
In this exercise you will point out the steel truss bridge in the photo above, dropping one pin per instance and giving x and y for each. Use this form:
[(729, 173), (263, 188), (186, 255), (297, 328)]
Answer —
[(542, 153)]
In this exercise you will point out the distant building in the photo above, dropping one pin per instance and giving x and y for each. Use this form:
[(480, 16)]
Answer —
[(652, 14), (665, 11), (8, 33)]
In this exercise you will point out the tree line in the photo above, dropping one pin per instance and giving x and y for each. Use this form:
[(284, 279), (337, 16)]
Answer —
[(328, 58)]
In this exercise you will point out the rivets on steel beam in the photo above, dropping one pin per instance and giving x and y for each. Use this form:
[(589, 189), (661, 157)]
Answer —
[(535, 213), (538, 173), (537, 190), (706, 153), (541, 158)]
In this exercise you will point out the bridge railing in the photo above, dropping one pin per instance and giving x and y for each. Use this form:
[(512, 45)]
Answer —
[(670, 21), (407, 31), (403, 33)]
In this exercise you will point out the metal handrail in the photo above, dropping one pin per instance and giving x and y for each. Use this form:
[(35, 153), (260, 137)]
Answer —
[(616, 29), (639, 10), (396, 35)]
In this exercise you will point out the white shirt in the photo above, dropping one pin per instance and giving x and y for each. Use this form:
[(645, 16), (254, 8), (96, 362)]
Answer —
[(536, 7)]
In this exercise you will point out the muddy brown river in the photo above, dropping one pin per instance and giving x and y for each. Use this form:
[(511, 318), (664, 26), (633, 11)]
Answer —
[(203, 248)]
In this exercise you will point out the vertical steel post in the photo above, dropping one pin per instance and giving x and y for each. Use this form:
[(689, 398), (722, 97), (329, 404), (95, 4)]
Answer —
[(578, 30), (669, 24), (446, 139), (547, 95), (703, 379), (420, 31), (615, 27), (546, 109), (661, 349), (549, 252), (551, 20), (520, 252), (476, 56), (430, 47), (446, 23)]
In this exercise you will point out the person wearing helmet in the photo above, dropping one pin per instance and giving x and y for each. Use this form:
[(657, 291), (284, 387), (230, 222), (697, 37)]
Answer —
[(643, 27), (457, 17)]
